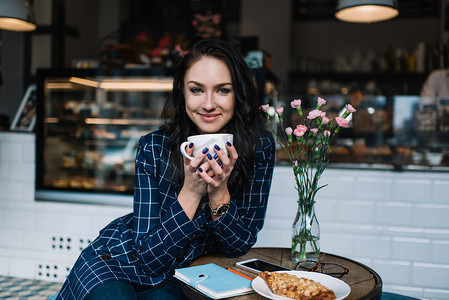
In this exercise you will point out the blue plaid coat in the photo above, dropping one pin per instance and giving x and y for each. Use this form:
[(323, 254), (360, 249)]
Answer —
[(144, 247)]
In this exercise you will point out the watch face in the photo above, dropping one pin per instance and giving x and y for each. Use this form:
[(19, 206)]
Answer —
[(222, 209)]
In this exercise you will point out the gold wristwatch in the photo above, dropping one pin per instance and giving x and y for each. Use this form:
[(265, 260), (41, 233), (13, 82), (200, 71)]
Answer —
[(220, 210)]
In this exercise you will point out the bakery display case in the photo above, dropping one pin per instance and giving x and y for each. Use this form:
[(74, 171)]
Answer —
[(402, 132), (88, 127)]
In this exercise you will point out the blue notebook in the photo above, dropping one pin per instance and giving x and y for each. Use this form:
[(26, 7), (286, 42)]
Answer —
[(214, 281)]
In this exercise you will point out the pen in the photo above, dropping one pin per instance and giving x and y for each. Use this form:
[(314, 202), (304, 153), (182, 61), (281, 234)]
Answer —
[(238, 273)]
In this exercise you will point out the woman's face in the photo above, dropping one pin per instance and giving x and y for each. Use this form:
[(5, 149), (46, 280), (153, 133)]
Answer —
[(209, 95)]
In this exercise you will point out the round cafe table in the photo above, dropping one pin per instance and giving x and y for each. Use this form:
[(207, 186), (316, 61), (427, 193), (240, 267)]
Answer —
[(365, 283)]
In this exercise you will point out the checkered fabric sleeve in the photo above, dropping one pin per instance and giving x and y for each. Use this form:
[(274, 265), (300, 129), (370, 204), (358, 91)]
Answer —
[(161, 229), (236, 232)]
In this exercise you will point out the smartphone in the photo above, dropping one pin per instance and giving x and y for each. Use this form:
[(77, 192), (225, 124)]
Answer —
[(255, 265)]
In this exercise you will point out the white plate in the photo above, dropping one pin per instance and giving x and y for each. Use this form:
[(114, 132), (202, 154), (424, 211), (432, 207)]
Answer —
[(340, 288)]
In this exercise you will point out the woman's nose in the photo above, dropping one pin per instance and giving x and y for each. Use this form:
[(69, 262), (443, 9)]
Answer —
[(209, 102)]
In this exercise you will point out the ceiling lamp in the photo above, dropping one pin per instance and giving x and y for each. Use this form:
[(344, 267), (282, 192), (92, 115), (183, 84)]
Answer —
[(17, 15), (366, 11)]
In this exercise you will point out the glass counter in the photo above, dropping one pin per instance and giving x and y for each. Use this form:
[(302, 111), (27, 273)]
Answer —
[(88, 128)]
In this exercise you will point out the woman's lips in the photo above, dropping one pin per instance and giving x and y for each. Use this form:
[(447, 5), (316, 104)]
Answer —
[(209, 117)]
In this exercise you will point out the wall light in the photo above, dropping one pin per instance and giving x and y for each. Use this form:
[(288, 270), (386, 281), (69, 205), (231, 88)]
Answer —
[(17, 15), (366, 11)]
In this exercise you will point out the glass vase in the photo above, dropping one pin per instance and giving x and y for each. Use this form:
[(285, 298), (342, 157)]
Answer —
[(305, 235)]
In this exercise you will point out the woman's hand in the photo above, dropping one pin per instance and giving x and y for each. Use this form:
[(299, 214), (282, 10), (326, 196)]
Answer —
[(192, 170), (194, 185), (217, 182)]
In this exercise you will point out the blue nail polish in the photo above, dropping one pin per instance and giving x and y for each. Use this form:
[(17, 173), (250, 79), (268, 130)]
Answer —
[(229, 144), (201, 170), (215, 156), (205, 150), (209, 156), (219, 163), (191, 145), (216, 147)]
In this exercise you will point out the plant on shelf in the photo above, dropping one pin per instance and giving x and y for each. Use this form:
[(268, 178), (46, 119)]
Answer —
[(308, 147)]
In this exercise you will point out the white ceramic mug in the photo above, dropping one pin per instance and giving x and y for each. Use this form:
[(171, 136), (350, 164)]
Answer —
[(207, 140)]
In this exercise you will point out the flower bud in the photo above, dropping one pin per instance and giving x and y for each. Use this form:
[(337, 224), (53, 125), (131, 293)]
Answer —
[(350, 108), (300, 130), (296, 103), (289, 132), (321, 101), (342, 122), (280, 110), (314, 114), (264, 107)]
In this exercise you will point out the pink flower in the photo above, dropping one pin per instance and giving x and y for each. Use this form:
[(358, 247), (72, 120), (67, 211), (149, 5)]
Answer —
[(321, 101), (300, 130), (314, 114), (350, 108), (280, 110), (295, 103), (264, 107), (342, 122), (314, 130), (298, 133), (302, 127), (217, 19), (326, 133), (325, 119), (288, 130)]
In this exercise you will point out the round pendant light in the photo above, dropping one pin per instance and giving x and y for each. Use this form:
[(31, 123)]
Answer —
[(366, 11), (17, 15)]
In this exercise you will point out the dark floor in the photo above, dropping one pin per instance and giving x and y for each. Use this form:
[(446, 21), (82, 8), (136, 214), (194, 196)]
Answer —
[(13, 288)]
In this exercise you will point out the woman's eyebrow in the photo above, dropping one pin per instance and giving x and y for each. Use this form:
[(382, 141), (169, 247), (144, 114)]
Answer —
[(202, 85), (195, 82), (222, 84)]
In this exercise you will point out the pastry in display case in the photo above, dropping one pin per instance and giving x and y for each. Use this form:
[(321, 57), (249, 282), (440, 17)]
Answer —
[(88, 129)]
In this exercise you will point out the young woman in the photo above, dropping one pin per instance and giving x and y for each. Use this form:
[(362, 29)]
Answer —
[(175, 218)]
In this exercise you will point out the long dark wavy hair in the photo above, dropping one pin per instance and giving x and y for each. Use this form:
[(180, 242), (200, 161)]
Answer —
[(245, 124)]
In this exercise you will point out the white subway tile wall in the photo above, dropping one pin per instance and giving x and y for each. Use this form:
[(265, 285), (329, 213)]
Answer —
[(397, 223)]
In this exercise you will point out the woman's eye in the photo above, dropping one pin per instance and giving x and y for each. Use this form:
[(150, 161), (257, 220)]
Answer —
[(195, 90), (224, 91)]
